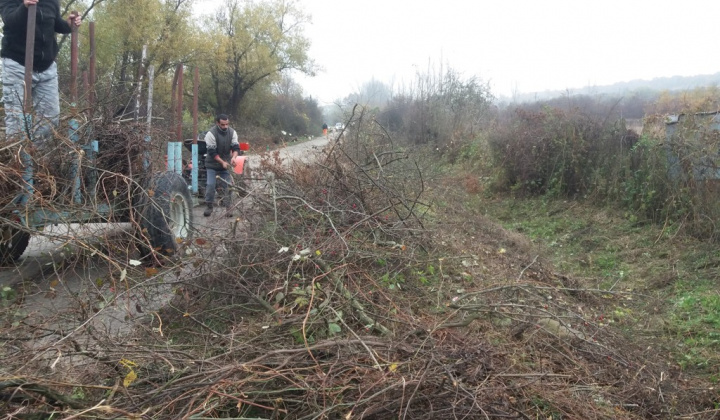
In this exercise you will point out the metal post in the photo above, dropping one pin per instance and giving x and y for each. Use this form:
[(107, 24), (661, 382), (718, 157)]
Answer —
[(29, 57), (173, 96), (194, 172), (170, 166), (73, 123), (179, 121), (90, 92), (178, 157), (92, 68), (92, 173), (75, 165), (194, 149), (73, 65)]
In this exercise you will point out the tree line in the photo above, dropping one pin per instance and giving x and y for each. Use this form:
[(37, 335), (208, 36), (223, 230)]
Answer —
[(244, 52)]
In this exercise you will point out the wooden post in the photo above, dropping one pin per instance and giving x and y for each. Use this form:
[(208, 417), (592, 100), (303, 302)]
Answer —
[(91, 95), (178, 122), (29, 57), (73, 65), (173, 97)]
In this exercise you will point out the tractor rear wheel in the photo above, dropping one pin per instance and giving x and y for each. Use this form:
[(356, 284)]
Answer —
[(165, 213), (13, 242)]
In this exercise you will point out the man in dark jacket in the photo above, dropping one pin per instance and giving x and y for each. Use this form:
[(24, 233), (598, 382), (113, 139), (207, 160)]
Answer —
[(46, 99), (222, 149)]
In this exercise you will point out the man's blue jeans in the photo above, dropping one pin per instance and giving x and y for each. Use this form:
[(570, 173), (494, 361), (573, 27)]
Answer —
[(45, 98), (224, 184)]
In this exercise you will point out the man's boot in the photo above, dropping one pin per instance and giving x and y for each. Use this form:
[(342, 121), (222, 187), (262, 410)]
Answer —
[(208, 210)]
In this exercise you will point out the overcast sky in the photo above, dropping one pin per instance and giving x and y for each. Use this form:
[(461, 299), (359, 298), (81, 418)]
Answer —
[(517, 45)]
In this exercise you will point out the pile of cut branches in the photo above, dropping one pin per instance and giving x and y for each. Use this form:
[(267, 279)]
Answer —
[(341, 294), (120, 152)]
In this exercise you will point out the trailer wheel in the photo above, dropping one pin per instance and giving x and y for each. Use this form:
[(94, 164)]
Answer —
[(13, 242), (165, 213)]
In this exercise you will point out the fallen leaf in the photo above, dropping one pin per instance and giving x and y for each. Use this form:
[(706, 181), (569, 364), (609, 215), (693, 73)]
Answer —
[(150, 271), (129, 378)]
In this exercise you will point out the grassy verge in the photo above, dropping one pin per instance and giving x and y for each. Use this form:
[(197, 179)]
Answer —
[(671, 278)]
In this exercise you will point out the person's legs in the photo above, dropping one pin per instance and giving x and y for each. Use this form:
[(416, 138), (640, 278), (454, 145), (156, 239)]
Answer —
[(209, 191), (225, 184), (13, 78), (46, 102)]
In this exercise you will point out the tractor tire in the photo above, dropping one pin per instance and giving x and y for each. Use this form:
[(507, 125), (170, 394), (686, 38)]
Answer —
[(164, 212), (13, 243)]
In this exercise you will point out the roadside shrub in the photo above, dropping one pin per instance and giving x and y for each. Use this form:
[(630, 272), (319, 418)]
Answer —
[(556, 151), (668, 175), (442, 110), (693, 171)]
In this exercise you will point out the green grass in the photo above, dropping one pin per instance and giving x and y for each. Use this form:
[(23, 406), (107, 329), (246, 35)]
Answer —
[(672, 276)]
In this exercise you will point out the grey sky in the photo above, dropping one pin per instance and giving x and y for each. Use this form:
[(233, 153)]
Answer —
[(516, 45)]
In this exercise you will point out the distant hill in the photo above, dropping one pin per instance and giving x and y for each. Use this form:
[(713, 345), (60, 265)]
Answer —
[(657, 84)]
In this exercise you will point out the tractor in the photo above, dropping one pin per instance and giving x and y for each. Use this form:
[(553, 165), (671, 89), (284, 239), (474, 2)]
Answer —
[(102, 182)]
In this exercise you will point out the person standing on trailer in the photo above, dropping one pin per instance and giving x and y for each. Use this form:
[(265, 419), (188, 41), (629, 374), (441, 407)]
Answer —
[(45, 95), (222, 149)]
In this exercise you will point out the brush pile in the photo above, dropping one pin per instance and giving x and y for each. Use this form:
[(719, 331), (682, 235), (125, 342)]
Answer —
[(352, 287)]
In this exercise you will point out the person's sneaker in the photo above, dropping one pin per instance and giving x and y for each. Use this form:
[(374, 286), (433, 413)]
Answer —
[(208, 211)]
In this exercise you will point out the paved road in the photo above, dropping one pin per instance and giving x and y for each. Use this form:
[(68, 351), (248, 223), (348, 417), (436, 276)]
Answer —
[(58, 282)]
